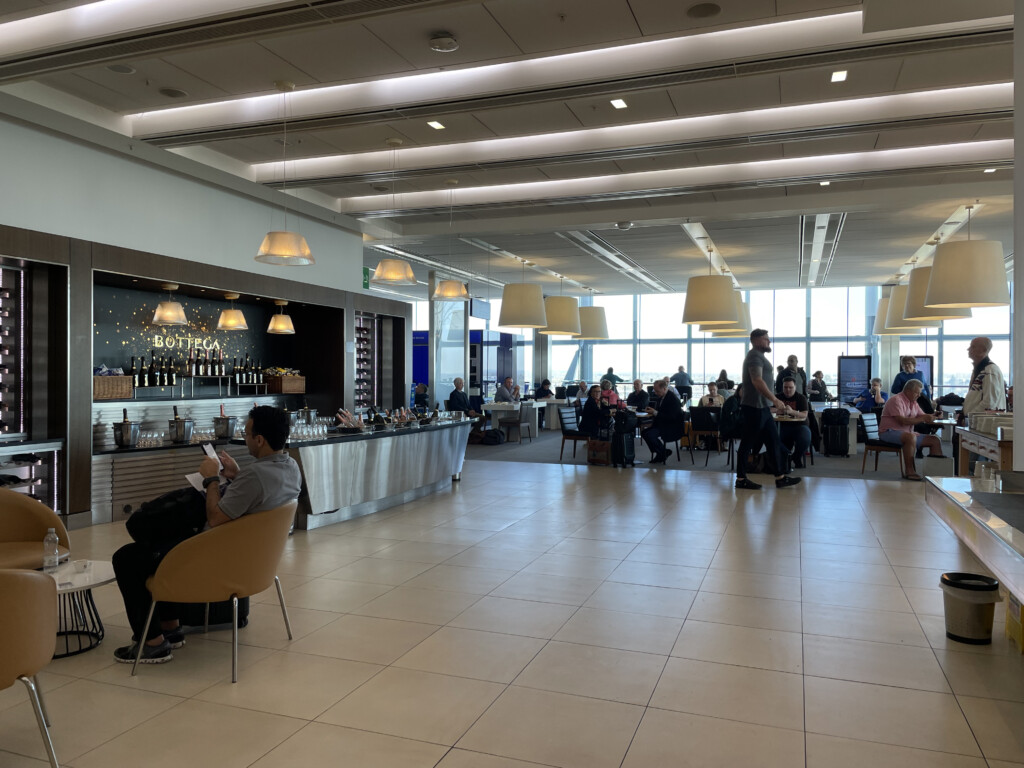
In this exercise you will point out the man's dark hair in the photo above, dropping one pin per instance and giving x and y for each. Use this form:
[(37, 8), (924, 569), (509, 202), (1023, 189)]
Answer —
[(271, 423), (757, 333), (788, 378)]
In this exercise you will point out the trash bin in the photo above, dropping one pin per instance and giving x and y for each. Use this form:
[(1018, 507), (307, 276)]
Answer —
[(969, 600)]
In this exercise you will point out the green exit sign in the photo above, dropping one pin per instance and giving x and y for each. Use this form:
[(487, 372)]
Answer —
[(366, 278)]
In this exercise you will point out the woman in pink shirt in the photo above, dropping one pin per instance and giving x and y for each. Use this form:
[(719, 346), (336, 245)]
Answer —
[(896, 426)]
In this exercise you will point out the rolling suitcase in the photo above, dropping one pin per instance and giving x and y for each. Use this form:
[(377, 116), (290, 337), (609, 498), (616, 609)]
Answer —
[(623, 449), (835, 437)]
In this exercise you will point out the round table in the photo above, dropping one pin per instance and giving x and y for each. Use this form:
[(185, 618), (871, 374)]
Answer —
[(79, 627)]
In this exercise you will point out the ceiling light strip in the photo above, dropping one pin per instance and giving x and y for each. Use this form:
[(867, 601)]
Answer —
[(833, 250), (426, 261), (494, 250), (597, 247), (700, 237), (818, 238)]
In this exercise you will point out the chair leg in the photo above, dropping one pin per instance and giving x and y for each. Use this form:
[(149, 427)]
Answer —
[(864, 463), (206, 620), (35, 695), (284, 610), (42, 701), (563, 450), (142, 639), (234, 638)]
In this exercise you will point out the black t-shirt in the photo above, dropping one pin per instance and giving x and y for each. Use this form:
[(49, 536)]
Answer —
[(797, 402)]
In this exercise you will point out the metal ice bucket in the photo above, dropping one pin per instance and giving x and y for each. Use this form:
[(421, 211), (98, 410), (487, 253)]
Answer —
[(126, 433), (224, 426), (306, 415), (180, 430)]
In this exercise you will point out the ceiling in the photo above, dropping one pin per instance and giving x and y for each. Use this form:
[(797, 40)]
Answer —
[(731, 126)]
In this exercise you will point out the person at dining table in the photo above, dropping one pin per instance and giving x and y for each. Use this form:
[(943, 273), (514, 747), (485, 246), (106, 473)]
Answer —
[(908, 371), (681, 379), (582, 391), (615, 380), (507, 393), (795, 432), (818, 389), (609, 396), (712, 399), (896, 427), (542, 393), (458, 400), (871, 397), (666, 422), (724, 382), (595, 415), (638, 398)]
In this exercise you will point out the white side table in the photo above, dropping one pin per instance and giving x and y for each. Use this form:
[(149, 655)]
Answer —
[(79, 627)]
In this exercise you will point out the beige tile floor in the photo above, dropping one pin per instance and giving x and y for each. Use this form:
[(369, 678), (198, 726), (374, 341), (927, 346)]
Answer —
[(545, 615)]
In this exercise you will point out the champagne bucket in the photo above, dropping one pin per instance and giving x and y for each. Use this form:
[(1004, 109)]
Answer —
[(292, 417), (126, 433), (180, 430), (306, 415), (224, 426)]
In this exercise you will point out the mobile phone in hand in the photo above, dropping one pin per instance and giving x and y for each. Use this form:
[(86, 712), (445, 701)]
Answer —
[(208, 449)]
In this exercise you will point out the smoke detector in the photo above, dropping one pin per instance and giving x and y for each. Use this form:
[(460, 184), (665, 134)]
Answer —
[(624, 225), (444, 42)]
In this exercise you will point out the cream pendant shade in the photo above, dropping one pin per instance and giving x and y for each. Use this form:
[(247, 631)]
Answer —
[(169, 313), (894, 315), (563, 316), (522, 306), (281, 323), (450, 290), (232, 320), (968, 273), (593, 323), (880, 328), (285, 248), (740, 328), (709, 301), (914, 309), (393, 272)]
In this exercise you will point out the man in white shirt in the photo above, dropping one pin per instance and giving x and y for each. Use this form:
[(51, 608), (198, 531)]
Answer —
[(506, 393)]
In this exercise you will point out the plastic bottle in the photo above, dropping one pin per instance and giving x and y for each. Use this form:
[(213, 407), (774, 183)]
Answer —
[(51, 551)]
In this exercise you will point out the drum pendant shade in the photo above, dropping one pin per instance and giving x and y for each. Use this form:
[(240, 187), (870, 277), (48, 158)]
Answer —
[(915, 308), (281, 323), (880, 328), (968, 273), (286, 248), (563, 314), (709, 301), (739, 330), (894, 315), (169, 313), (232, 320), (593, 323), (393, 272), (522, 306), (450, 290)]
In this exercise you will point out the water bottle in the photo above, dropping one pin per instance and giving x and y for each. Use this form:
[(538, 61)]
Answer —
[(51, 551)]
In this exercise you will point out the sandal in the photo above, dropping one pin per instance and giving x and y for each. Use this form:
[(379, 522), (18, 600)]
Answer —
[(914, 476)]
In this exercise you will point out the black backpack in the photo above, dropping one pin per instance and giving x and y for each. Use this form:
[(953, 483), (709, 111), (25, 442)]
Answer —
[(493, 437), (730, 423)]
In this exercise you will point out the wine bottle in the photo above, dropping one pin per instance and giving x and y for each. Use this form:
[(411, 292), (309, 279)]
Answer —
[(163, 371), (153, 380), (134, 373), (190, 364), (259, 372), (143, 373), (124, 411), (174, 372), (234, 370), (176, 416), (222, 415), (223, 368)]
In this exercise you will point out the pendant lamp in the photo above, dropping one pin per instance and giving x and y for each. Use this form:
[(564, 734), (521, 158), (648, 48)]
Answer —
[(522, 306), (741, 325), (914, 309), (393, 272), (169, 312), (709, 301), (232, 319), (968, 273), (281, 246), (894, 314), (450, 290), (281, 323), (563, 314), (880, 328), (593, 324)]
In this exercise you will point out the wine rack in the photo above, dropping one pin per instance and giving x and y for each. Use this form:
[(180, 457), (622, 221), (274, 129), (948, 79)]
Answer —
[(12, 357), (368, 373)]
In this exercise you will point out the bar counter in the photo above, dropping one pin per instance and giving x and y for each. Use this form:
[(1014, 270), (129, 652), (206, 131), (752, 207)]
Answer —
[(344, 475)]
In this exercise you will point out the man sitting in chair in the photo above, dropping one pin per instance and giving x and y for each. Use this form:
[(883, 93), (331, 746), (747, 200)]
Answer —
[(896, 427), (795, 435), (272, 480)]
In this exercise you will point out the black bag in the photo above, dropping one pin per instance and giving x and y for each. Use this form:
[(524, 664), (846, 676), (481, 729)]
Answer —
[(951, 399), (625, 422), (194, 614), (730, 423), (168, 520), (493, 437), (835, 417), (623, 449)]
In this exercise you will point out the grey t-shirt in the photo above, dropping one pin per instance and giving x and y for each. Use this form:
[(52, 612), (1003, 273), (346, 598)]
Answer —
[(755, 359), (265, 484)]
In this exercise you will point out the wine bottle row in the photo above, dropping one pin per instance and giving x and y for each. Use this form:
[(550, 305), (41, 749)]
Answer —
[(171, 371)]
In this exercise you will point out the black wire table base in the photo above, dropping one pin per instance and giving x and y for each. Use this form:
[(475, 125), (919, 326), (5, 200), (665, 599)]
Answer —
[(79, 628)]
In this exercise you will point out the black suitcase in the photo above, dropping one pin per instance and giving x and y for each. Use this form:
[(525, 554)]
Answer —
[(623, 449), (625, 422), (835, 431)]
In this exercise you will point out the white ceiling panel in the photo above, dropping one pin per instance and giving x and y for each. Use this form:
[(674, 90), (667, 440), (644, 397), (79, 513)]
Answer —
[(579, 170), (239, 68), (863, 78), (745, 154), (922, 137), (509, 176), (540, 25), (861, 142), (261, 149), (805, 6), (657, 162), (984, 64), (990, 131), (641, 107), (657, 17), (544, 117), (141, 89), (361, 138), (460, 127), (338, 53), (718, 96), (480, 37)]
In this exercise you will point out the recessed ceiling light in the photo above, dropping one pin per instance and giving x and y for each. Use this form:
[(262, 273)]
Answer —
[(618, 103), (839, 76), (824, 183), (173, 93), (703, 10), (121, 69), (444, 42), (990, 170), (436, 125)]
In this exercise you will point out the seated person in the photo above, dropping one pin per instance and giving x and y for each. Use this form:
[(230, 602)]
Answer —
[(272, 480), (712, 399), (818, 389), (724, 382), (795, 435), (900, 415), (595, 416), (871, 397), (908, 364), (419, 398), (459, 401), (666, 422), (583, 392), (506, 393), (638, 398), (609, 396), (543, 393)]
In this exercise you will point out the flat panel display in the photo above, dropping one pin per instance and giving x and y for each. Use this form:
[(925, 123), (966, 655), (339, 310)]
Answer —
[(854, 376)]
